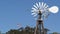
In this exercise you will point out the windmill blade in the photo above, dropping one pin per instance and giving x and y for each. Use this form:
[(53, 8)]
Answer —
[(33, 13), (39, 4), (46, 6), (33, 10), (42, 3), (35, 6)]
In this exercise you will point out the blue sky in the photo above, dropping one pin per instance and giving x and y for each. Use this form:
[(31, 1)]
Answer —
[(13, 12)]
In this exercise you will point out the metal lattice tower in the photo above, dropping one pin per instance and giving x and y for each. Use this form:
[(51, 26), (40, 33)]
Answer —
[(39, 25)]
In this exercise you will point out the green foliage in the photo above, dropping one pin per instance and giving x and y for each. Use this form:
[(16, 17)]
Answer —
[(26, 30), (55, 33), (13, 32)]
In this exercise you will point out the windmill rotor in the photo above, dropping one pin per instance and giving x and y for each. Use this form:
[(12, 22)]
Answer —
[(41, 6)]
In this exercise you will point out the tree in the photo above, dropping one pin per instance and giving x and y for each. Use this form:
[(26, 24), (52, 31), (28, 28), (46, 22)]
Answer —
[(46, 30), (21, 29), (55, 33), (29, 30), (13, 32), (26, 30)]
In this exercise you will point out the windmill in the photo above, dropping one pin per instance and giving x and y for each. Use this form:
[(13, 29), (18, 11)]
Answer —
[(40, 11)]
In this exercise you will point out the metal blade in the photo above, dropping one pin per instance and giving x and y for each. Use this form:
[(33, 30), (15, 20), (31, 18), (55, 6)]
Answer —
[(33, 13), (35, 6), (44, 4), (39, 4)]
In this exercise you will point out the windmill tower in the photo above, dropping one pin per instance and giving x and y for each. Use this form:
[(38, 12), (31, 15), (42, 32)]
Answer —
[(41, 11), (39, 25)]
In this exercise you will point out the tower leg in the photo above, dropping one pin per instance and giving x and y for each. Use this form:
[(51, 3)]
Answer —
[(43, 28), (36, 29), (39, 28)]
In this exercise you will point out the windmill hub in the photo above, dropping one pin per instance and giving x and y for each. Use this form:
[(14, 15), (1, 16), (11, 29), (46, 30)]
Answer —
[(39, 13)]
